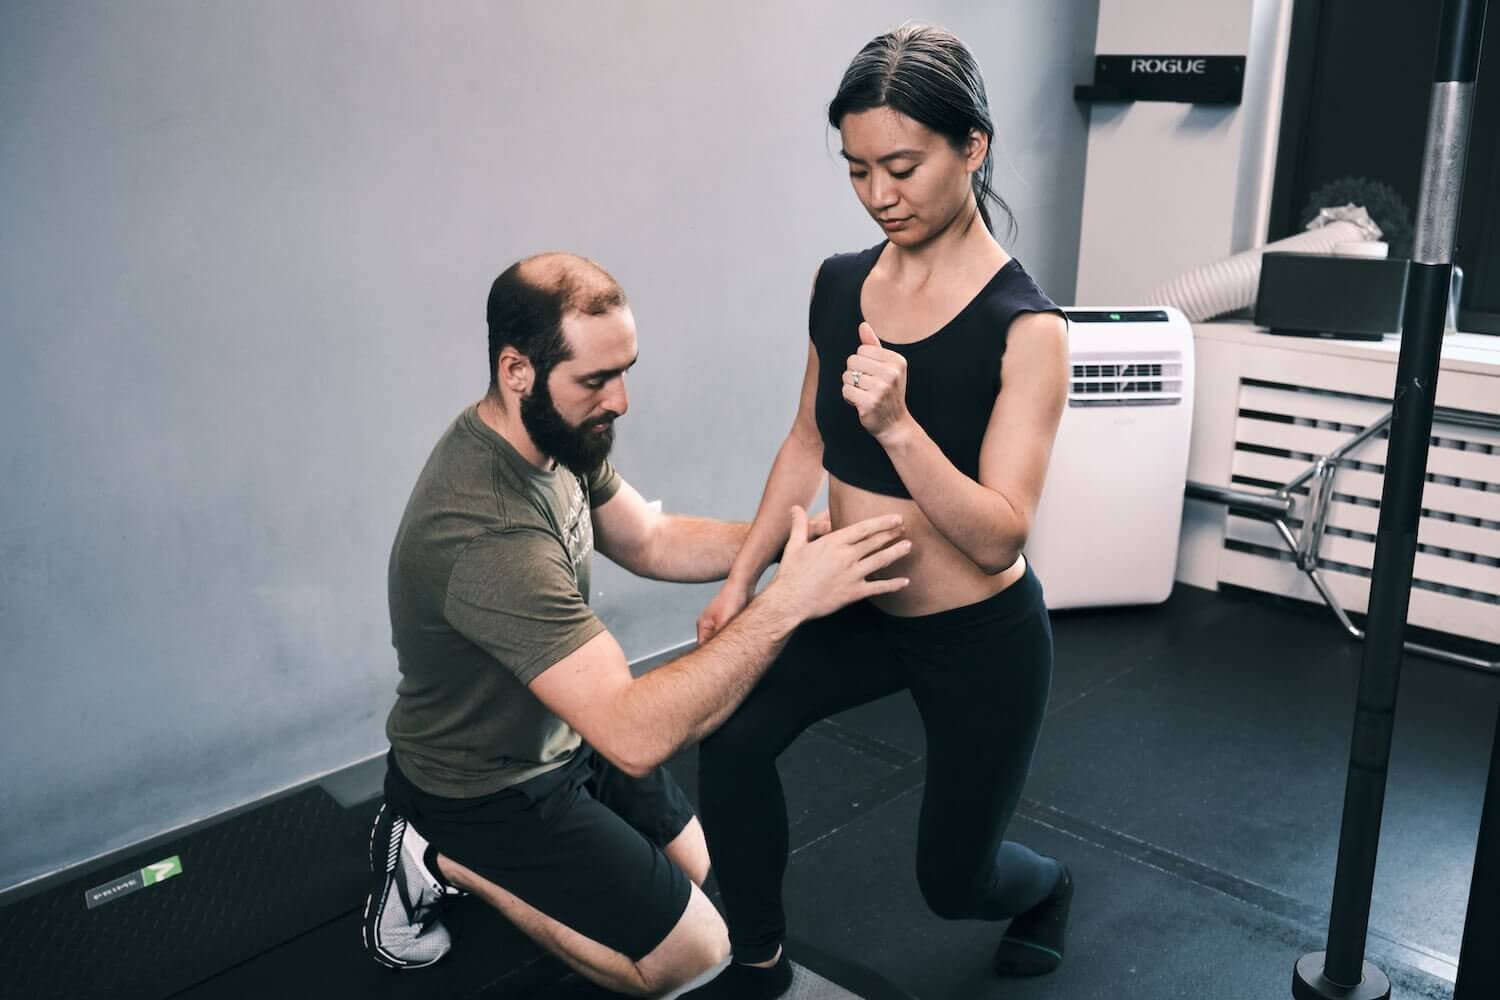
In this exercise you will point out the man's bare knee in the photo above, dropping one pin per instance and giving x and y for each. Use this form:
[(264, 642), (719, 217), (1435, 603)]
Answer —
[(698, 943), (689, 852)]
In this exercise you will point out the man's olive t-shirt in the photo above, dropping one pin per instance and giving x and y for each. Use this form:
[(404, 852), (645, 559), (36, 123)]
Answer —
[(488, 584)]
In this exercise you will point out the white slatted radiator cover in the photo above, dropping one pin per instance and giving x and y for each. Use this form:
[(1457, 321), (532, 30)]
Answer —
[(1282, 428)]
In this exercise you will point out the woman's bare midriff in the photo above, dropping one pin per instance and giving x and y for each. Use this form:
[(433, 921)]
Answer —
[(941, 576)]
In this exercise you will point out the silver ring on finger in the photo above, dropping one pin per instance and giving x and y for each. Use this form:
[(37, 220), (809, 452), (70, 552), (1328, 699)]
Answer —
[(854, 378)]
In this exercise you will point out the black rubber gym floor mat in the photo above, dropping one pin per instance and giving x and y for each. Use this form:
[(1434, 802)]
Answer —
[(245, 886), (817, 975)]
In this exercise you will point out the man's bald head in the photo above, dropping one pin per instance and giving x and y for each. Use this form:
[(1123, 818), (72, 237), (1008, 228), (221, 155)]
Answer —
[(530, 298), (583, 285)]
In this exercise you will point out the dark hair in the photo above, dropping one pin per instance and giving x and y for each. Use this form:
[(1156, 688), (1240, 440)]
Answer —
[(928, 75), (528, 301)]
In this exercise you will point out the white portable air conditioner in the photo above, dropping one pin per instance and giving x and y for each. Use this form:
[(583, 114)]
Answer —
[(1107, 528)]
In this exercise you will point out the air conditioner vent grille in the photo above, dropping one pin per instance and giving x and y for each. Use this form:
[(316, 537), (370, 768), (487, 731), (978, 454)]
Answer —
[(1120, 380)]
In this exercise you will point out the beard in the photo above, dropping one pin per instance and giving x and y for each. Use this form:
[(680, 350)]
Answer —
[(581, 449)]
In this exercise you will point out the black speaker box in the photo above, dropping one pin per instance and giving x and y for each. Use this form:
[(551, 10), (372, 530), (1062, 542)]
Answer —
[(1319, 295)]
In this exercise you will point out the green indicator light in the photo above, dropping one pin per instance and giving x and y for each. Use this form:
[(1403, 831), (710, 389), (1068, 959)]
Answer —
[(1114, 315)]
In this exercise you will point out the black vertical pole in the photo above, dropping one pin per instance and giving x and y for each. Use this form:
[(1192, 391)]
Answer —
[(1341, 971), (1479, 959)]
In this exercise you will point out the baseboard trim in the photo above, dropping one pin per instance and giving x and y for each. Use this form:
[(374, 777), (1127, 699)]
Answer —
[(348, 784)]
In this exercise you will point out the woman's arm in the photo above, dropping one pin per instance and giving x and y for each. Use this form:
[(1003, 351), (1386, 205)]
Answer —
[(987, 520), (795, 478)]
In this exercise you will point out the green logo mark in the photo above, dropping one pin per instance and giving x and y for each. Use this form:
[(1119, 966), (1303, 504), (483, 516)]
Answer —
[(161, 871)]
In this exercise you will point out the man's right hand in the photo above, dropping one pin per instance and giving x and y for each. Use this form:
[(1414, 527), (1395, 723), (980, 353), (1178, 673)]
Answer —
[(816, 578)]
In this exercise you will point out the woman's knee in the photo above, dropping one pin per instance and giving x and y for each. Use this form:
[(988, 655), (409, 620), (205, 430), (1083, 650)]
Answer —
[(1012, 881), (948, 894)]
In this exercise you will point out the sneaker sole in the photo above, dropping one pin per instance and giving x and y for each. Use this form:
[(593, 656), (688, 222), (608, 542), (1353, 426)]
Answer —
[(382, 873)]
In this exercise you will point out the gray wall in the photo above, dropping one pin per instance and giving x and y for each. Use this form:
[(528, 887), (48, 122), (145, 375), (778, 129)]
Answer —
[(245, 253)]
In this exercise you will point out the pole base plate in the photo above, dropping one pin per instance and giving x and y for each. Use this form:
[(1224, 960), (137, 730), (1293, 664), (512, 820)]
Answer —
[(1309, 983)]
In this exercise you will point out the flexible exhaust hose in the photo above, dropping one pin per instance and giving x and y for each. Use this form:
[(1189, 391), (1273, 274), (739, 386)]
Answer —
[(1231, 283)]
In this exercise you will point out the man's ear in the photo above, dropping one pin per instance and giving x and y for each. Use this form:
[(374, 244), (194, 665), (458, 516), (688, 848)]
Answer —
[(515, 371)]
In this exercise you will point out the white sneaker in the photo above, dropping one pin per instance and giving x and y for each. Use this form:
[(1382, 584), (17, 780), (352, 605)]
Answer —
[(401, 926)]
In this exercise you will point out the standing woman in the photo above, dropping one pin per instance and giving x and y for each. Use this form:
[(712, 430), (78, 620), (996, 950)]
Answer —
[(935, 381)]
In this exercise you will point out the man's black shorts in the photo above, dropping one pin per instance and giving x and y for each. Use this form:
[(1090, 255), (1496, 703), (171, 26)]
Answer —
[(582, 844)]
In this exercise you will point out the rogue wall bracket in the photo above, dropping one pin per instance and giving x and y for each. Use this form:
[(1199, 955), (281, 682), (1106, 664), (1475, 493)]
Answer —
[(1176, 79)]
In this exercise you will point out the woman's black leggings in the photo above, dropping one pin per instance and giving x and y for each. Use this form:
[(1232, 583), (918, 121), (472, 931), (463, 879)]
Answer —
[(979, 676)]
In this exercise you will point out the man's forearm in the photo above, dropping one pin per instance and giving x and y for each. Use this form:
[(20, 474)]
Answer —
[(682, 702), (695, 549)]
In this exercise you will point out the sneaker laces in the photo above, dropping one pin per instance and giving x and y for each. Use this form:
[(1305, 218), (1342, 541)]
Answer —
[(431, 891)]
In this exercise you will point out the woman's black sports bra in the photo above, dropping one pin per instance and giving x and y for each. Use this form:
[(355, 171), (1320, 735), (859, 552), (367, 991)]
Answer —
[(952, 376)]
